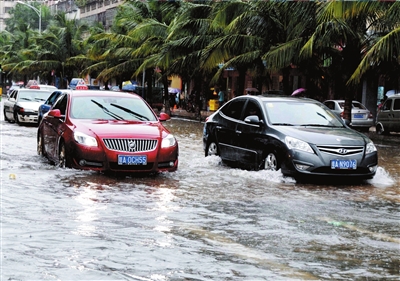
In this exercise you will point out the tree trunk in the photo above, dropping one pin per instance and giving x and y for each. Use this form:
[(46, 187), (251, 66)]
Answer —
[(166, 95)]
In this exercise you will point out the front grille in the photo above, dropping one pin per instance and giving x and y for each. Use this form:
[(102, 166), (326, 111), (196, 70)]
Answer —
[(341, 150), (130, 145)]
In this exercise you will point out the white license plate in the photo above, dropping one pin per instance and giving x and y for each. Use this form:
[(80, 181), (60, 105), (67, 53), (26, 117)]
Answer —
[(344, 164), (132, 160)]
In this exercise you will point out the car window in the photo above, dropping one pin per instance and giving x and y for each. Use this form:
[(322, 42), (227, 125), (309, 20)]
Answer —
[(297, 113), (53, 98), (396, 105), (358, 105), (14, 94), (330, 105), (111, 108), (61, 104), (387, 105), (33, 95), (252, 108), (234, 108)]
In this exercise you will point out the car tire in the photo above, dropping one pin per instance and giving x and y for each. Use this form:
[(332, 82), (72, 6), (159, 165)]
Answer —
[(16, 120), (63, 158), (272, 161), (40, 146), (212, 149), (380, 130), (5, 116)]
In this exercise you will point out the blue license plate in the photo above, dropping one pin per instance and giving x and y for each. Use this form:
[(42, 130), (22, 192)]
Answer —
[(132, 160), (358, 116), (344, 164)]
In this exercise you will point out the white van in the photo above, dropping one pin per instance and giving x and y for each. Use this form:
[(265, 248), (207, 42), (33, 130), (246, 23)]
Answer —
[(388, 117)]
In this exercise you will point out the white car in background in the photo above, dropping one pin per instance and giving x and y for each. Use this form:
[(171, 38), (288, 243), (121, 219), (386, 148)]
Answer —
[(361, 117), (22, 105)]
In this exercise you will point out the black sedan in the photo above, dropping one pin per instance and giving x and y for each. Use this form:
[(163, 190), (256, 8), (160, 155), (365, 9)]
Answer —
[(298, 136)]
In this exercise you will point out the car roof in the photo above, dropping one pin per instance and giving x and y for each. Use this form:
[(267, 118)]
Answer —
[(279, 98), (101, 93), (342, 101), (34, 90)]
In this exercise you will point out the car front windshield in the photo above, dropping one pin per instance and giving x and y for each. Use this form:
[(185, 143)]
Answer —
[(286, 113), (33, 95), (111, 108)]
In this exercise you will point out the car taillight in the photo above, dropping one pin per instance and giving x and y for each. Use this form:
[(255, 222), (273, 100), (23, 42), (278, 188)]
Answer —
[(21, 109), (370, 116), (342, 114)]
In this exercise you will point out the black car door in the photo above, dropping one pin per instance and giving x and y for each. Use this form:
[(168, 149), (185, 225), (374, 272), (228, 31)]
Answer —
[(229, 116), (250, 135)]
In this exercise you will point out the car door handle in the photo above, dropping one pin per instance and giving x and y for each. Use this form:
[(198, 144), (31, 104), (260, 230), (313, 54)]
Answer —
[(219, 127), (238, 132)]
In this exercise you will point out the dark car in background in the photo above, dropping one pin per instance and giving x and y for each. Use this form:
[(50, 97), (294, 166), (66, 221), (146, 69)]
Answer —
[(388, 117), (299, 136)]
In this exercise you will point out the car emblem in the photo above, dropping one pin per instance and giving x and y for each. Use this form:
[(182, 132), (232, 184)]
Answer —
[(132, 146), (342, 150)]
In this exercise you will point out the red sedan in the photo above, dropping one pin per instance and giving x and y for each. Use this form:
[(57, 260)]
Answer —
[(106, 131)]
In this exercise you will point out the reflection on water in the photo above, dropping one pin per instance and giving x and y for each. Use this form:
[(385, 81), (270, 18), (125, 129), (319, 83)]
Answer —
[(204, 222)]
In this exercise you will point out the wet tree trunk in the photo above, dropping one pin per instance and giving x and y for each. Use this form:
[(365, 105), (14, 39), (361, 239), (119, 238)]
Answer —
[(166, 95)]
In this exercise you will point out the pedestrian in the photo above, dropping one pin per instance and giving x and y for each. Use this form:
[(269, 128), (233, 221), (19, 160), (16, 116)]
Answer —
[(221, 98)]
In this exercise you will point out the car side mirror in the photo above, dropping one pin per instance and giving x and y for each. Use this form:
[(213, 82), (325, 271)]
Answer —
[(253, 119), (55, 113), (164, 117)]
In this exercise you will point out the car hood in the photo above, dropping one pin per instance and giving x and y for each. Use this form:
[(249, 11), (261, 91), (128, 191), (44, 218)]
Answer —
[(33, 105), (325, 136), (121, 129)]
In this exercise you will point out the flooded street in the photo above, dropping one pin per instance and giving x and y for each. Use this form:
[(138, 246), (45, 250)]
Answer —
[(204, 222)]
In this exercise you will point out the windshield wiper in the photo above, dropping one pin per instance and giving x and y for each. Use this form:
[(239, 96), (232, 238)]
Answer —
[(131, 112), (106, 110), (282, 124), (318, 125)]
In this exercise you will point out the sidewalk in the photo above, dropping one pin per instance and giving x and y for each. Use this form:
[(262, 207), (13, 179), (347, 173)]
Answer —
[(178, 112)]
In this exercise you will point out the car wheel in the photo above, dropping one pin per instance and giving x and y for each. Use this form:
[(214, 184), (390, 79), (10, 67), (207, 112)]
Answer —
[(40, 145), (16, 120), (63, 159), (271, 161), (5, 116), (212, 149), (380, 130)]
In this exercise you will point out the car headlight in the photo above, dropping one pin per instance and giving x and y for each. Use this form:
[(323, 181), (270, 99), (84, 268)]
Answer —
[(168, 141), (370, 147), (293, 143), (85, 139)]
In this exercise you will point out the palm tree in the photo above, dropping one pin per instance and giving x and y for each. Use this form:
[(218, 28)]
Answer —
[(48, 52), (383, 45)]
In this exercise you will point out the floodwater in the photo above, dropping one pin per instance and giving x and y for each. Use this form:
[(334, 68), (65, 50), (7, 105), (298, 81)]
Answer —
[(204, 222)]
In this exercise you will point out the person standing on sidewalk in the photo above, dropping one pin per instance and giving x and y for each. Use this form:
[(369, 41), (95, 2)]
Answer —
[(221, 98)]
